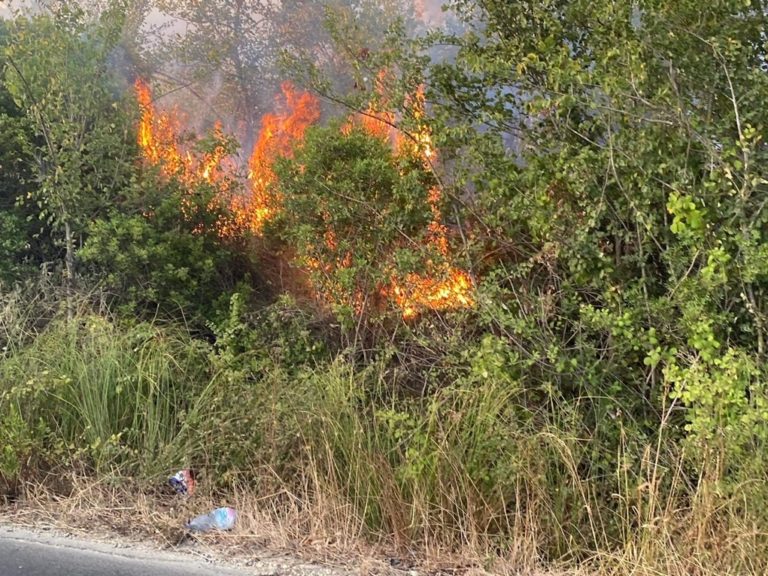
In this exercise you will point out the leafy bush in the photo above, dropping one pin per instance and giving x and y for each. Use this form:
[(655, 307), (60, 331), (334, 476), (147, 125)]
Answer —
[(250, 416), (605, 166), (152, 259), (356, 214)]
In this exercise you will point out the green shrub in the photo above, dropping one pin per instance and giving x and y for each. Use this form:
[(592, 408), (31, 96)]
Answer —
[(152, 259)]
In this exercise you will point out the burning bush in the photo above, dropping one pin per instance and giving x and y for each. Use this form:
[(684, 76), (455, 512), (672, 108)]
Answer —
[(362, 220)]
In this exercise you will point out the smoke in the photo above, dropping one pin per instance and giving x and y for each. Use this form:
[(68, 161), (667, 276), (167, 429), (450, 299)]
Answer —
[(430, 12), (221, 61), (9, 8)]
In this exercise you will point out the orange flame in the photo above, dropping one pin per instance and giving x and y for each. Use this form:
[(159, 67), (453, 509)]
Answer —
[(210, 165), (157, 134), (377, 120), (158, 138), (280, 132), (444, 287), (416, 292), (420, 142), (159, 141)]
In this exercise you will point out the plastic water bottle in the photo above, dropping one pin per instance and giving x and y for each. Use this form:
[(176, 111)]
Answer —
[(219, 519)]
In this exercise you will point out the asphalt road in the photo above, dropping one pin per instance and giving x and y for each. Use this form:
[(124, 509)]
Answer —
[(27, 553)]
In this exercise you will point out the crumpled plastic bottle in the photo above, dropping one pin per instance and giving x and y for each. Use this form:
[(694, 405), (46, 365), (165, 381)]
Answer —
[(218, 519)]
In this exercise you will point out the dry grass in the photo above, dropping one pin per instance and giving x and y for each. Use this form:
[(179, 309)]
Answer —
[(320, 532), (275, 525), (268, 525)]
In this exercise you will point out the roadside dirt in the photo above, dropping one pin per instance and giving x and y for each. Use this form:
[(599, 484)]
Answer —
[(117, 522), (45, 549)]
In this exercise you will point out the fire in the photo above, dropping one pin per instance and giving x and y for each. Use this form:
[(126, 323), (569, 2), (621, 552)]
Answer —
[(417, 292), (159, 140), (280, 132), (377, 120), (444, 287), (377, 123), (211, 164), (419, 143), (157, 134), (441, 287)]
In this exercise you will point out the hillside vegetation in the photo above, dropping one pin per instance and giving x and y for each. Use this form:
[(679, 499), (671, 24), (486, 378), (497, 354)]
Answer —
[(496, 289)]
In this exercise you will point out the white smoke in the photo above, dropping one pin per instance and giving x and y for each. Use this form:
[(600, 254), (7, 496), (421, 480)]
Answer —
[(430, 12)]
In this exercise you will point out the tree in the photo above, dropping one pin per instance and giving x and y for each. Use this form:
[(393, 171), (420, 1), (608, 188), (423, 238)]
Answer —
[(157, 252), (225, 57), (624, 236), (58, 72), (231, 54), (355, 212), (15, 141)]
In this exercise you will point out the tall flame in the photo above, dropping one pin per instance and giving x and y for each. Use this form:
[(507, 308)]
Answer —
[(210, 165), (280, 132), (159, 140), (376, 120), (157, 135)]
